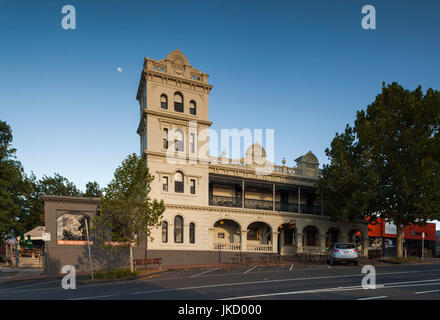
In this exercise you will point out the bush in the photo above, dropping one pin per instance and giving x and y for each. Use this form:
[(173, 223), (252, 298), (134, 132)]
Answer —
[(116, 274)]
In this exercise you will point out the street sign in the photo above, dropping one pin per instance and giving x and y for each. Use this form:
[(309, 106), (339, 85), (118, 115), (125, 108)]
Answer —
[(46, 236)]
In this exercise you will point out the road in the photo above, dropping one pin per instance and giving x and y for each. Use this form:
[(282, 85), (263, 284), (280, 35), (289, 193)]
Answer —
[(342, 282)]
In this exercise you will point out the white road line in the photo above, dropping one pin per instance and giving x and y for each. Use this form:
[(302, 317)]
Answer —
[(291, 267), (351, 288), (328, 266), (372, 298), (32, 285), (198, 274), (430, 291), (249, 269), (238, 283)]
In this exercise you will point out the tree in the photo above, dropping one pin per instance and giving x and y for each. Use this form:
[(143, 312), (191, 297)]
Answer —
[(93, 190), (388, 165), (11, 187), (128, 214), (58, 186)]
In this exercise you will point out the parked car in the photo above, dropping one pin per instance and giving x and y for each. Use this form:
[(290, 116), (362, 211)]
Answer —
[(343, 251)]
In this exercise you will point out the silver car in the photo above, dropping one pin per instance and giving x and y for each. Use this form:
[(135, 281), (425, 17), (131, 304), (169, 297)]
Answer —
[(343, 251)]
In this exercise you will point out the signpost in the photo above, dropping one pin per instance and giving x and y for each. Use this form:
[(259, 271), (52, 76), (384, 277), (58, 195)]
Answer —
[(423, 245), (46, 239), (88, 245)]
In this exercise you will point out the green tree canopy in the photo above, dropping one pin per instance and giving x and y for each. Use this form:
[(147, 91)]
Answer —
[(127, 211), (93, 190), (388, 164)]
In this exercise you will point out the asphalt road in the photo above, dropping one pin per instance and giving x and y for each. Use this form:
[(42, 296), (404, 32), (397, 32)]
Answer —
[(342, 282)]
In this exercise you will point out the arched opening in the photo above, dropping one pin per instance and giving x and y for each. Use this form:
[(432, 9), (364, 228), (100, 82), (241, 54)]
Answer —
[(192, 233), (287, 239), (192, 108), (178, 182), (227, 235), (178, 140), (164, 101), (310, 236), (178, 229), (164, 232), (178, 102), (259, 237), (331, 236)]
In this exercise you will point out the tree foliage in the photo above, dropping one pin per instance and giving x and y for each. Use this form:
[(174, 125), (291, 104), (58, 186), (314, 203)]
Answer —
[(128, 214), (388, 164)]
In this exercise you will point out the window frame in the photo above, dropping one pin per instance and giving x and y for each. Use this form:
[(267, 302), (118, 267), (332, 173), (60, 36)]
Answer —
[(192, 108), (178, 106), (192, 232), (165, 228), (162, 104), (179, 185), (180, 229)]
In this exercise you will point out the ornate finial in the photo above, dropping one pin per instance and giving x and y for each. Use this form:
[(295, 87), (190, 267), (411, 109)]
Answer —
[(284, 161)]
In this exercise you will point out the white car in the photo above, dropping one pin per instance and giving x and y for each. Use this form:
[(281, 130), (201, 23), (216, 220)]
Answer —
[(343, 251)]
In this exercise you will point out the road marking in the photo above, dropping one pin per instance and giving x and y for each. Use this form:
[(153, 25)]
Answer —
[(430, 291), (199, 274), (31, 285), (328, 266), (372, 298), (220, 285), (250, 269), (291, 267), (351, 288)]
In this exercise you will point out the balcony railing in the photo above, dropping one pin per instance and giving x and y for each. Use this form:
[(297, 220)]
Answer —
[(259, 247), (258, 204), (262, 205), (224, 201), (222, 246)]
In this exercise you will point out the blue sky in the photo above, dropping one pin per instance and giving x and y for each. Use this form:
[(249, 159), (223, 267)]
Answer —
[(302, 68)]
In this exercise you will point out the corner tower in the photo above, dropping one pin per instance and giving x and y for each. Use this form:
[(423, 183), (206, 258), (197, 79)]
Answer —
[(174, 115)]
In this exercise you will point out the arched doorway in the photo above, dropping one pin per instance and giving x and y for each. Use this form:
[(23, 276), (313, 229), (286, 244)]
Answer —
[(287, 239), (227, 235), (331, 236), (310, 237), (259, 237)]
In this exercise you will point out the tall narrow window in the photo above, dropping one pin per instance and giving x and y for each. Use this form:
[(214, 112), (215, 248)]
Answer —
[(144, 98), (192, 186), (192, 233), (164, 101), (178, 102), (178, 140), (165, 183), (192, 108), (178, 229), (164, 232), (192, 143), (178, 182), (165, 138)]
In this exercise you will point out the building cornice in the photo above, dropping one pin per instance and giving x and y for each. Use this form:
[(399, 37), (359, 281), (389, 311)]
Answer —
[(51, 198), (175, 116)]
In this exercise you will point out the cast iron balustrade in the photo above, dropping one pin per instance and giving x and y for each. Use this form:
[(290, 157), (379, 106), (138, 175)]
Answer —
[(224, 201), (262, 205), (286, 206), (258, 204)]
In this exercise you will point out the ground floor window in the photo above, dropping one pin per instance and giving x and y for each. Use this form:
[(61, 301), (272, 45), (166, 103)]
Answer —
[(71, 228)]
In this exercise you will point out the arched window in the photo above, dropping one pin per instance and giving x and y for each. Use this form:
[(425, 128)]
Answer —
[(164, 101), (192, 108), (178, 229), (164, 232), (192, 233), (178, 102), (179, 140), (178, 182)]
